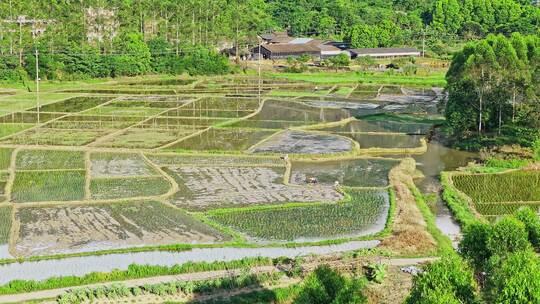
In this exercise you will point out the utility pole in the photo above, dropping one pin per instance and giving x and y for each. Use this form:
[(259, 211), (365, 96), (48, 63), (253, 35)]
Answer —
[(423, 43), (37, 84)]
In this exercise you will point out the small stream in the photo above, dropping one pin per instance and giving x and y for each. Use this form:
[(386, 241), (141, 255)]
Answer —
[(439, 158), (79, 266)]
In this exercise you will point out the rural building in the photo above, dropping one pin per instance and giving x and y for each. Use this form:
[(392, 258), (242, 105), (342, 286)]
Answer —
[(296, 47), (384, 52)]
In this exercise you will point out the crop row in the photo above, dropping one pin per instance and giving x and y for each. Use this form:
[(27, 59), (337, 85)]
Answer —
[(5, 224), (518, 186), (496, 209), (366, 211)]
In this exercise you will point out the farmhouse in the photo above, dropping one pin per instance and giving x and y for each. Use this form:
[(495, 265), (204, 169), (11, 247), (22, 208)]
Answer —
[(384, 52), (297, 47)]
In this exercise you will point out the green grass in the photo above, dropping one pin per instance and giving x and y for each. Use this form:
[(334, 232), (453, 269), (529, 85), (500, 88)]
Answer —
[(38, 186), (5, 224), (456, 201), (128, 187), (313, 221), (515, 186), (49, 159), (5, 158), (437, 79), (444, 245)]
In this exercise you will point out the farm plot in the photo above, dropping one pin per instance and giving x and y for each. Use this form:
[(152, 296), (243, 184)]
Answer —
[(351, 173), (7, 129), (300, 142), (167, 160), (56, 137), (5, 158), (5, 224), (518, 186), (276, 114), (359, 126), (218, 107), (29, 117), (85, 122), (115, 188), (160, 82), (39, 186), (203, 188), (49, 159), (72, 105), (4, 176), (147, 138), (107, 165), (69, 229), (389, 141), (228, 139), (22, 102), (365, 214)]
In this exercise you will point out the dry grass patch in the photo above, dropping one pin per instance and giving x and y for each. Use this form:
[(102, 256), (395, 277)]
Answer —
[(409, 230)]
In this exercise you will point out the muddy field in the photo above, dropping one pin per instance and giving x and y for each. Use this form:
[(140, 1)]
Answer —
[(68, 229), (203, 188), (304, 143)]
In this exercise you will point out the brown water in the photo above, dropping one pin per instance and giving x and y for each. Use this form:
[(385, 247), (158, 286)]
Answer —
[(439, 158)]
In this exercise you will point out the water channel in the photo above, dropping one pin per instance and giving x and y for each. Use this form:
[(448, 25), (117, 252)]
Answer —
[(79, 266)]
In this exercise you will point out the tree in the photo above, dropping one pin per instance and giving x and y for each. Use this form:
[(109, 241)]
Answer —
[(340, 61), (365, 62), (474, 244)]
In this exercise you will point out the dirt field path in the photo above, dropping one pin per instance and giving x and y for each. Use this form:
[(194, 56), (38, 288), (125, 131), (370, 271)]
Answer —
[(198, 276)]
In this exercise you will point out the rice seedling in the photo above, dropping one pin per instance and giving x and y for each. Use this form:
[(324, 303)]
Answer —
[(11, 128), (147, 138), (518, 186), (70, 229), (5, 224), (39, 186), (365, 213), (499, 209), (128, 187), (5, 158), (49, 159)]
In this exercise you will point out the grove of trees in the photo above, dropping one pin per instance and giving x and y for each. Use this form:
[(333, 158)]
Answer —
[(498, 263), (494, 89), (94, 38)]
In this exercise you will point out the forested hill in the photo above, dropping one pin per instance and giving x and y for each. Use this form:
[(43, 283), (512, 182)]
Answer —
[(96, 38), (365, 23)]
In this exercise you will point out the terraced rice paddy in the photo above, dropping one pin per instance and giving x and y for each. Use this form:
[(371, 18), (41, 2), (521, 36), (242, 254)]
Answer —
[(300, 142), (351, 173), (204, 188), (98, 227), (168, 161), (364, 214), (499, 194)]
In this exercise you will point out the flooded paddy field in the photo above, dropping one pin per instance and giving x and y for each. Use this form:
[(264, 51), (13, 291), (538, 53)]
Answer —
[(228, 162)]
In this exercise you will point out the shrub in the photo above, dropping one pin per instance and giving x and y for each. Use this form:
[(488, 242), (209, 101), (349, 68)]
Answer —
[(515, 280), (532, 224), (327, 286), (448, 278), (473, 245), (536, 149), (507, 236)]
